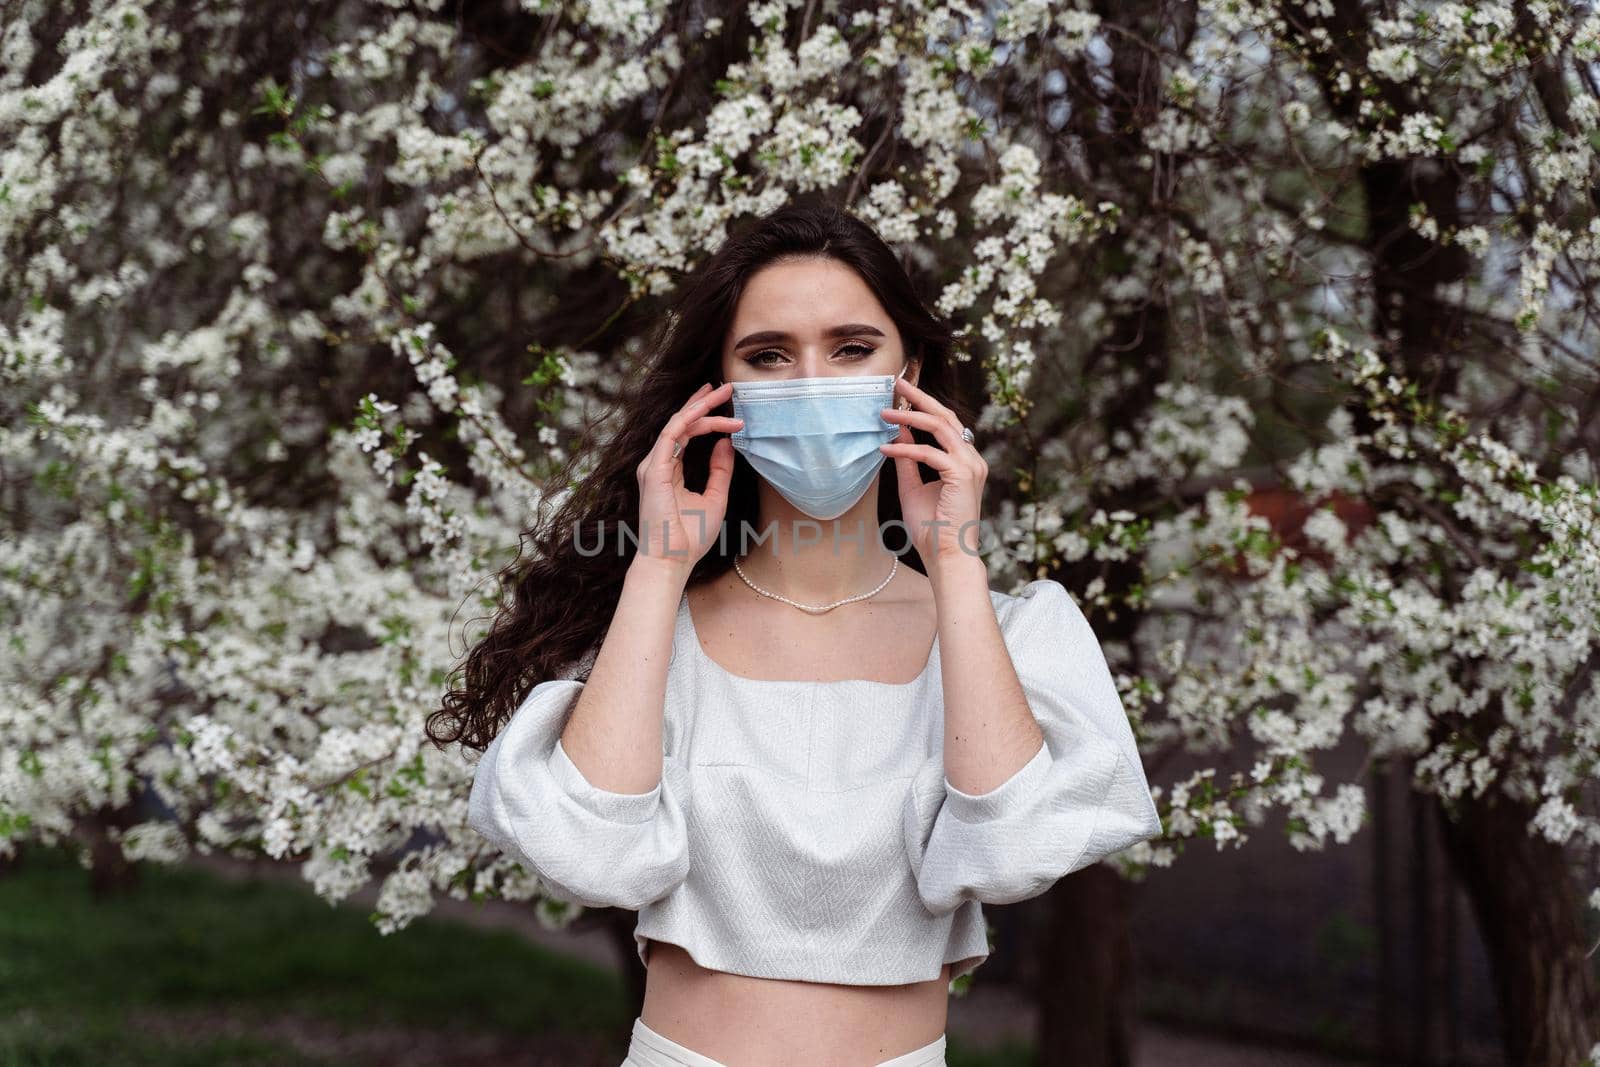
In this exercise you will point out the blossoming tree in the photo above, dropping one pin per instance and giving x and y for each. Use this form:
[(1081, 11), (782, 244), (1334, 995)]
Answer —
[(302, 309)]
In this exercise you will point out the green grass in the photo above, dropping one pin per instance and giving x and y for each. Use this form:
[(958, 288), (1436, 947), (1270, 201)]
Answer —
[(1005, 1054), (76, 971), (72, 968), (90, 1041)]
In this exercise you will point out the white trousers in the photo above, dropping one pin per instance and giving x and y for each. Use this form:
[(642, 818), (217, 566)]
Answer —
[(650, 1049)]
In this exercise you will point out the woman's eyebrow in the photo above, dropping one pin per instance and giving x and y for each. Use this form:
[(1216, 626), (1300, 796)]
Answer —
[(766, 337)]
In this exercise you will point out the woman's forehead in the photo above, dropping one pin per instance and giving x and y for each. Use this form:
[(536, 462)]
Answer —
[(806, 299)]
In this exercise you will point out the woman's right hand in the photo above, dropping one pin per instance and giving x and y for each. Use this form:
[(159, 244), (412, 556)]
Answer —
[(677, 527)]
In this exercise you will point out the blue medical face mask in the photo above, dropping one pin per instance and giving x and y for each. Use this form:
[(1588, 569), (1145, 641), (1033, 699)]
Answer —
[(815, 440)]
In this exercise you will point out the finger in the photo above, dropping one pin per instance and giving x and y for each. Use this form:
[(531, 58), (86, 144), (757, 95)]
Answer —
[(947, 435), (676, 427), (721, 473), (923, 401), (703, 425), (905, 467), (713, 423), (928, 405), (962, 454), (937, 458), (697, 405)]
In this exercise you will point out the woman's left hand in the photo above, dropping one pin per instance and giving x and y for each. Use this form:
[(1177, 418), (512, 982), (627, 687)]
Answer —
[(952, 502)]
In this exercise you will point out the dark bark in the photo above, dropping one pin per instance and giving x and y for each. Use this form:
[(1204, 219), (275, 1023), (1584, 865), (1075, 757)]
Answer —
[(1530, 913), (12, 864), (111, 873), (1383, 906), (619, 924), (1085, 973)]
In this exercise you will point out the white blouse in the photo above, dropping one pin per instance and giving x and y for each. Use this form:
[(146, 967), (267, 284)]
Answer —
[(806, 830)]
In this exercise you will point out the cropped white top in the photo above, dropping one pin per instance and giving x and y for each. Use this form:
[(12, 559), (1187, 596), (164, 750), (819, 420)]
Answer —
[(806, 830)]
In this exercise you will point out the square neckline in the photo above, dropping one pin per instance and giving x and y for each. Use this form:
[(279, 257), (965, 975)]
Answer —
[(687, 629)]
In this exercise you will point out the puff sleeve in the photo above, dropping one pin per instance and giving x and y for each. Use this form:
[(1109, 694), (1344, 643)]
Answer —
[(590, 846), (1082, 797)]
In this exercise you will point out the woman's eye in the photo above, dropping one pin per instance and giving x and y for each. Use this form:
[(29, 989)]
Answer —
[(861, 352)]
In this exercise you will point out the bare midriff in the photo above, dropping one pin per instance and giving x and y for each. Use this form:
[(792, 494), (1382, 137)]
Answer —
[(770, 1022)]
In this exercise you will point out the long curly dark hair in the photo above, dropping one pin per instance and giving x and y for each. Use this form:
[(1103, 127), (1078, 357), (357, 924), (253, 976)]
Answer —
[(557, 602)]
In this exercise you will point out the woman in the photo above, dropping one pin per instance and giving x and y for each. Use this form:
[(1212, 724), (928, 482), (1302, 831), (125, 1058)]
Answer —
[(805, 765)]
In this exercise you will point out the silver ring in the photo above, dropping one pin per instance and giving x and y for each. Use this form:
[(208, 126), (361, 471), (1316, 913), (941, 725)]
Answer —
[(677, 449), (966, 434)]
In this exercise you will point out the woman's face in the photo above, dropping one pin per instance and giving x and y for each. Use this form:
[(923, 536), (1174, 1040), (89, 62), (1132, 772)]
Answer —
[(809, 318)]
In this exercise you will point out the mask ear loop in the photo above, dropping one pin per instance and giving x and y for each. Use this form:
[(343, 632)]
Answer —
[(902, 404)]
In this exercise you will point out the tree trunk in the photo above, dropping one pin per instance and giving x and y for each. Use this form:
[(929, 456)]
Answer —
[(111, 873), (1529, 909), (12, 864), (619, 924), (1085, 972)]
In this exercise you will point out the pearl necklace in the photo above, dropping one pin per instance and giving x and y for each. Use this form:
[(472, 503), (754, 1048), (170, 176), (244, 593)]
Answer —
[(818, 610)]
